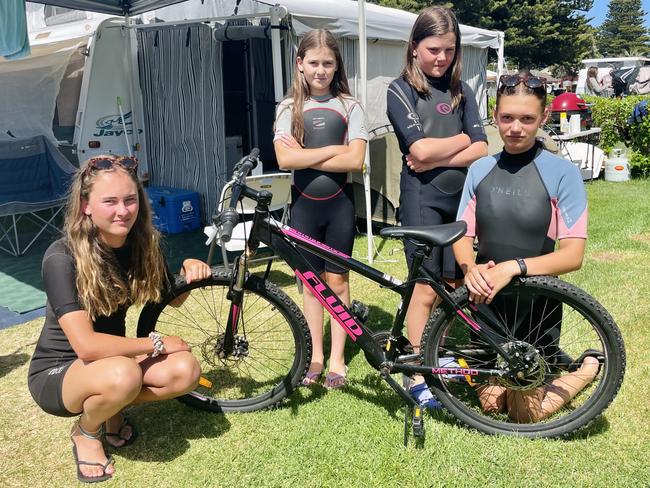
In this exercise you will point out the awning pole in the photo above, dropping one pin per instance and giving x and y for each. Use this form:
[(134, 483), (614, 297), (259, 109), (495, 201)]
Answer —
[(363, 75), (277, 12)]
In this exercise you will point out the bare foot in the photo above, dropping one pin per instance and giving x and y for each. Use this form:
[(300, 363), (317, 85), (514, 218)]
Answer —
[(90, 451), (589, 367)]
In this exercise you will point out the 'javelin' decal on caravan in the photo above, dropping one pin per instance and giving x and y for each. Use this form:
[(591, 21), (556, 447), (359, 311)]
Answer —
[(331, 303)]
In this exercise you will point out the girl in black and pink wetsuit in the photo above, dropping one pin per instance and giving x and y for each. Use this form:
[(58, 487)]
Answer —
[(518, 203), (439, 130), (321, 136)]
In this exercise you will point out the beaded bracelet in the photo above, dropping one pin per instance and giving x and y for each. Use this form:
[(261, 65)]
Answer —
[(158, 345)]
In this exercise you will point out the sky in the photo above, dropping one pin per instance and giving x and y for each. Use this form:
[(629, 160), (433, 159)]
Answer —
[(599, 11)]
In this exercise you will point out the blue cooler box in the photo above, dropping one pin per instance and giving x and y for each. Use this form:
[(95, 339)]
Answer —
[(174, 210)]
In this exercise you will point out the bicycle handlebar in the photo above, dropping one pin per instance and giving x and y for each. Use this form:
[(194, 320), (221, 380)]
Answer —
[(229, 217)]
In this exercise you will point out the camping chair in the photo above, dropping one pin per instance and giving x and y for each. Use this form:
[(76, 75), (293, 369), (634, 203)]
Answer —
[(277, 183), (34, 179)]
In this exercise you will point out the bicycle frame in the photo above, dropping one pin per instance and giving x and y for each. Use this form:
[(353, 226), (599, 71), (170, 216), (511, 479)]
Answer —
[(285, 242)]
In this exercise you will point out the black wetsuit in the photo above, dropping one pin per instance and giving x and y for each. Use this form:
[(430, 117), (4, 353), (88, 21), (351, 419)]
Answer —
[(54, 354), (431, 197)]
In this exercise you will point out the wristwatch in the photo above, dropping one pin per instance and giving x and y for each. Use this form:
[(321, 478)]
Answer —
[(522, 266)]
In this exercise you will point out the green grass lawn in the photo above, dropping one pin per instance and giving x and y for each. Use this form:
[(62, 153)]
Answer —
[(354, 437)]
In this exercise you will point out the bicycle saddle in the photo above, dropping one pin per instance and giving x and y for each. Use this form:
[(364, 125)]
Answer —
[(436, 235)]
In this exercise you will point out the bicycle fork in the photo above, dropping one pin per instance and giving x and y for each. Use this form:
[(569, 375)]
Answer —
[(236, 297), (233, 343)]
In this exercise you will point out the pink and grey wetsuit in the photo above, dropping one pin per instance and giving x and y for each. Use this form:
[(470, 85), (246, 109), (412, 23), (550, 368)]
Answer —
[(518, 206)]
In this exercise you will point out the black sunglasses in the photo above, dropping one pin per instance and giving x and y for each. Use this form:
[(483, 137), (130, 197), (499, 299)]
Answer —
[(530, 81), (104, 162)]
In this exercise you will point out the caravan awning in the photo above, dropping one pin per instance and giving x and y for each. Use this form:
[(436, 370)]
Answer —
[(338, 16), (114, 7)]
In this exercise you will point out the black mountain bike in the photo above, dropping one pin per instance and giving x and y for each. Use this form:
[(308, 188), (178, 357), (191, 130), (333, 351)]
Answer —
[(254, 346)]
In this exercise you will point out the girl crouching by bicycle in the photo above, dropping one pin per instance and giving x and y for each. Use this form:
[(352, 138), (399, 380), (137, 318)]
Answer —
[(320, 135), (517, 204), (108, 259)]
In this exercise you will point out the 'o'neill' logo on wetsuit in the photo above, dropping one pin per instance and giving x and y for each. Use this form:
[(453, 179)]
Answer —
[(443, 108)]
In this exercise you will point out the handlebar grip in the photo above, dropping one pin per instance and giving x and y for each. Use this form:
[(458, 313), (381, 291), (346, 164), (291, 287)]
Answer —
[(249, 162), (254, 154), (229, 218), (226, 231)]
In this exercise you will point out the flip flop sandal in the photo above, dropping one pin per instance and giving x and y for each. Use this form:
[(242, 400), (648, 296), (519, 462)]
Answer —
[(311, 378), (589, 352), (334, 381), (91, 479), (118, 435), (109, 460)]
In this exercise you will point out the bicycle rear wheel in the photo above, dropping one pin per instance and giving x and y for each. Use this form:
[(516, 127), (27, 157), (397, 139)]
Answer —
[(552, 321), (272, 344)]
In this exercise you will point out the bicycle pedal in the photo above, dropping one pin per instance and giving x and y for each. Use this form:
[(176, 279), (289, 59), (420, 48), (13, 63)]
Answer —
[(417, 422), (359, 310)]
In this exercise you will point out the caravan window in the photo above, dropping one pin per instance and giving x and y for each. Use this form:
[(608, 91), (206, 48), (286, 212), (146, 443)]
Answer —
[(61, 15)]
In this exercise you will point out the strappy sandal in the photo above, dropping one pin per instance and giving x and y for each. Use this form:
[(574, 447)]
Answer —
[(118, 435), (334, 381), (312, 378), (97, 435)]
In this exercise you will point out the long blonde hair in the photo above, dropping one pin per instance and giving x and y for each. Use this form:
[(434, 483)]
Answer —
[(300, 91), (434, 21), (100, 287)]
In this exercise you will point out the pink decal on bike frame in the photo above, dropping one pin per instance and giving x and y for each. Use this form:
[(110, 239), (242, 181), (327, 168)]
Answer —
[(235, 317), (305, 238), (331, 303), (473, 324)]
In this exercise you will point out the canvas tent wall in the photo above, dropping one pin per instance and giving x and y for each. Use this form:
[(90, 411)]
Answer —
[(40, 86)]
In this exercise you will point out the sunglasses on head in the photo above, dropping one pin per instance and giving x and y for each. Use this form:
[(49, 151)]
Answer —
[(106, 162), (530, 81)]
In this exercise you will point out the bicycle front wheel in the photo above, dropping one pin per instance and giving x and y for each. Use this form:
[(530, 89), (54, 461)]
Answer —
[(551, 322), (272, 347)]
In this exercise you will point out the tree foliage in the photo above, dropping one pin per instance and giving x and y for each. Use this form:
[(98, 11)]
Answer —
[(538, 33), (623, 30)]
